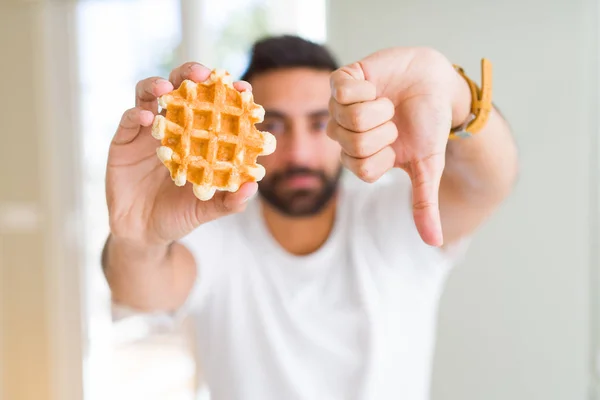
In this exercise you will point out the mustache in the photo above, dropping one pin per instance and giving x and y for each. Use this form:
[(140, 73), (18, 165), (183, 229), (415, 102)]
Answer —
[(298, 171)]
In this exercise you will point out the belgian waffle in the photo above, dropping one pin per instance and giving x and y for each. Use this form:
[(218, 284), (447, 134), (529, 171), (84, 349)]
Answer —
[(208, 137)]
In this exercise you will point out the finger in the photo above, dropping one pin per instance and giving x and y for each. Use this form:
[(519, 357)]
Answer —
[(236, 201), (225, 203), (148, 90), (372, 168), (348, 85), (361, 117), (426, 175), (364, 144), (192, 70), (242, 86), (131, 123)]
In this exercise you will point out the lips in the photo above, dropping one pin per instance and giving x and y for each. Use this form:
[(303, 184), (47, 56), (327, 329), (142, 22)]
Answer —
[(301, 181)]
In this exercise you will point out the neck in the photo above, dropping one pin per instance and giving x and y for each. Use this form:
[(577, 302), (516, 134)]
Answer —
[(300, 236)]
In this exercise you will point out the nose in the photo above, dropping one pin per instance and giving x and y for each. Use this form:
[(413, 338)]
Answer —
[(298, 148)]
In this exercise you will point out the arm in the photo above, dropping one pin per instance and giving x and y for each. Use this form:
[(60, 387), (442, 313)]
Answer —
[(479, 173), (148, 278), (146, 268), (394, 109)]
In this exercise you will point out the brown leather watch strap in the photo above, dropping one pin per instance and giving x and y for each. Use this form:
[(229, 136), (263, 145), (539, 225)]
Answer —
[(481, 101)]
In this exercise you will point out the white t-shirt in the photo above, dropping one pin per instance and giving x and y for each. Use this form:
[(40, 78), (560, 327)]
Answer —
[(356, 320)]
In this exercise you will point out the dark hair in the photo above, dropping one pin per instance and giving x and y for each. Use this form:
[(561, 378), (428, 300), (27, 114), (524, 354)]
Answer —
[(287, 51)]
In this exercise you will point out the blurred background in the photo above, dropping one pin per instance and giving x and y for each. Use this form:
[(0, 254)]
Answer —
[(520, 318)]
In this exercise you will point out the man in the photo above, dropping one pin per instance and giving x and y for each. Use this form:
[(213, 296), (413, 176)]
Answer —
[(313, 289)]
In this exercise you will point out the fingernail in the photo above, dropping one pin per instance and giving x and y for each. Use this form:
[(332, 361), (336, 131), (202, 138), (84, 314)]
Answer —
[(159, 82), (249, 197), (147, 114), (199, 71), (196, 67)]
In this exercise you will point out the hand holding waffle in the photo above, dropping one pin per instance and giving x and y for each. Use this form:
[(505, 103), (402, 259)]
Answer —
[(206, 136)]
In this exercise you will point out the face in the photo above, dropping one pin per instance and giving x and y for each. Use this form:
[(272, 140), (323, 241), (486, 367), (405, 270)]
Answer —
[(303, 172)]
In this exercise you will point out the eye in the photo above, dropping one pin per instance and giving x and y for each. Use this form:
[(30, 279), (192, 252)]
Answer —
[(276, 127), (319, 125)]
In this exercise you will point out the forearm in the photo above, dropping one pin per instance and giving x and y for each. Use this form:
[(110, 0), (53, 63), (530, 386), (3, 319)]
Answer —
[(483, 167), (479, 173), (148, 278)]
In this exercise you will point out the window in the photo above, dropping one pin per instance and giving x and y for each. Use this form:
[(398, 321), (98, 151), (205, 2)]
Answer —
[(119, 43)]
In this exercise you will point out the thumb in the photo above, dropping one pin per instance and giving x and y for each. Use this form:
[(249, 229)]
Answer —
[(428, 137), (224, 203), (425, 175), (236, 201)]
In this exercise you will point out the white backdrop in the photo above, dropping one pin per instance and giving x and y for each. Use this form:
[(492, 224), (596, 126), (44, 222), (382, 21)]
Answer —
[(515, 319)]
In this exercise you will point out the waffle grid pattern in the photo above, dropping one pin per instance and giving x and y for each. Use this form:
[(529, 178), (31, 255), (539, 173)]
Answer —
[(208, 136)]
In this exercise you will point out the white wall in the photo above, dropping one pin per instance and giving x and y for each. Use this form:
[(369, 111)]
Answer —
[(515, 320)]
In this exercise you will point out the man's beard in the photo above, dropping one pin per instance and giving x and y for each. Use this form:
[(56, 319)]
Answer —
[(299, 202)]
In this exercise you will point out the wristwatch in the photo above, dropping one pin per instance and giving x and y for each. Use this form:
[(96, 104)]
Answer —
[(460, 132), (481, 102)]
